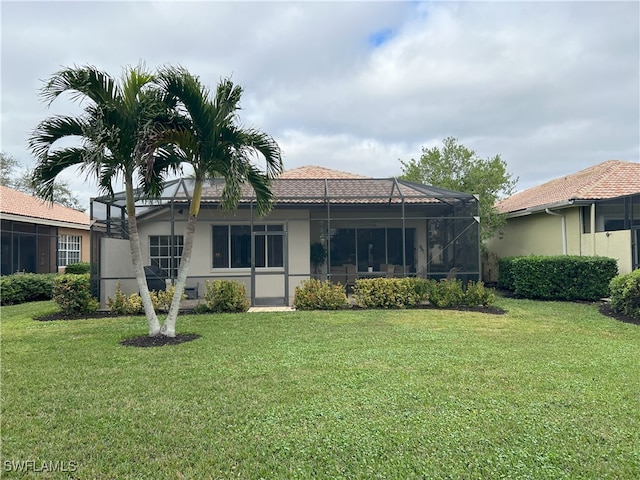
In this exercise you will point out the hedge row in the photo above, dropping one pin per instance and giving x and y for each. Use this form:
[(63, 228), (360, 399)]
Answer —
[(26, 287), (392, 293), (564, 277)]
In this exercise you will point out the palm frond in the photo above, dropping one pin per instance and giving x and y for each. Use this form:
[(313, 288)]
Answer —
[(52, 129), (82, 82), (47, 170), (190, 94)]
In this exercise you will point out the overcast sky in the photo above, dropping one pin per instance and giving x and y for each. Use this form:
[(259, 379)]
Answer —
[(553, 87)]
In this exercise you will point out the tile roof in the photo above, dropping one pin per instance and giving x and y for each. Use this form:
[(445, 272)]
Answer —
[(13, 202), (610, 179), (315, 172)]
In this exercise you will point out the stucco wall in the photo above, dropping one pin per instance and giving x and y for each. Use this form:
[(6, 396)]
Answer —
[(267, 285), (539, 234), (615, 244)]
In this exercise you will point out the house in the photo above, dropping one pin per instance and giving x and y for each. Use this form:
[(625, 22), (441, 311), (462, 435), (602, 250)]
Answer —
[(38, 236), (595, 211), (368, 227)]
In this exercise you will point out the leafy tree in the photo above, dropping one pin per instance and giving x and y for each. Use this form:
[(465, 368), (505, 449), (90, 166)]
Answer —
[(209, 139), (22, 182), (455, 167), (7, 166), (116, 115)]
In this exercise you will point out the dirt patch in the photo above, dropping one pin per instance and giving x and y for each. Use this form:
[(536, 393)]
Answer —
[(159, 341)]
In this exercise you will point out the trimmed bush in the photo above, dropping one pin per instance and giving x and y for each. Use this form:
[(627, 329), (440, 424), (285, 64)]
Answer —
[(122, 304), (387, 292), (476, 294), (625, 294), (26, 287), (78, 268), (446, 294), (161, 299), (563, 277), (71, 293), (316, 295), (226, 296)]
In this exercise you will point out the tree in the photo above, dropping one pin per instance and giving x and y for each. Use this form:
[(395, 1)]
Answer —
[(455, 167), (209, 139), (22, 182), (7, 166), (116, 115)]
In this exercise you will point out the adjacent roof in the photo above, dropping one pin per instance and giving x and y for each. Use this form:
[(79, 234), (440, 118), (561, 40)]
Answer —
[(610, 179), (314, 172), (23, 207)]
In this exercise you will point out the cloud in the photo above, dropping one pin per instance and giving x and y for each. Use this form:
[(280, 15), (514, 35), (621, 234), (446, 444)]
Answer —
[(551, 86)]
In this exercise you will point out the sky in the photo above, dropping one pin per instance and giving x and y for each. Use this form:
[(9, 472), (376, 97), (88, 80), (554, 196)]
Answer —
[(552, 87)]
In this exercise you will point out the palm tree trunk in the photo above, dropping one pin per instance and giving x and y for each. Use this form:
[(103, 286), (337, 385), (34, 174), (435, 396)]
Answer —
[(136, 259), (169, 326)]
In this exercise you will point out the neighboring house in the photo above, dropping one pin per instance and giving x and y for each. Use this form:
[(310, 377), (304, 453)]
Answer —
[(595, 211), (369, 228), (38, 236)]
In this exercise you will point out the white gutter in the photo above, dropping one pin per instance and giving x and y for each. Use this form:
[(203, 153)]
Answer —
[(564, 229)]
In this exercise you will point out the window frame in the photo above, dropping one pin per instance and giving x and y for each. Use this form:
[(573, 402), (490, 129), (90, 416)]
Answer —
[(234, 260), (65, 242), (177, 246)]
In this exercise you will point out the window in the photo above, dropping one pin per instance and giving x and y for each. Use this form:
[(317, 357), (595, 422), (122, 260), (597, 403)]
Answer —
[(166, 254), (68, 249), (232, 246)]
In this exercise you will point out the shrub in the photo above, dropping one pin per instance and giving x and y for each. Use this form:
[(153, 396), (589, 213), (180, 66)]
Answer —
[(564, 277), (78, 268), (161, 299), (226, 296), (446, 293), (71, 293), (625, 293), (122, 304), (316, 295), (26, 287), (387, 292), (477, 294)]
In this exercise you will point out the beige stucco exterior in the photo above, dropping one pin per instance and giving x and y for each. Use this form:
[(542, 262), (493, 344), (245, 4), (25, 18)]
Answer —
[(116, 255), (541, 234)]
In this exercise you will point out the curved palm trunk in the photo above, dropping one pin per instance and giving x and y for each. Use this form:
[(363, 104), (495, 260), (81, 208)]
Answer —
[(136, 259), (169, 326)]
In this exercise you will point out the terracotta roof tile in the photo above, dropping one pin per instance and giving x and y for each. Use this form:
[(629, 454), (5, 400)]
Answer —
[(610, 179), (17, 203), (315, 172)]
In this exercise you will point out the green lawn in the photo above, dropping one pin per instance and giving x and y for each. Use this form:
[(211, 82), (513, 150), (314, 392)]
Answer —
[(549, 390)]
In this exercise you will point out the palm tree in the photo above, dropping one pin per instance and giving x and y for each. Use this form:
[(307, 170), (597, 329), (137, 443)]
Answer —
[(209, 139), (116, 116)]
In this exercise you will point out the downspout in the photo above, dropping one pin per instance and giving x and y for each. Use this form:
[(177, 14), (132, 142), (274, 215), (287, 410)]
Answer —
[(593, 228), (564, 229)]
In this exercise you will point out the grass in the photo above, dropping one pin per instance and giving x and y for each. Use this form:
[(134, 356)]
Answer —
[(547, 391)]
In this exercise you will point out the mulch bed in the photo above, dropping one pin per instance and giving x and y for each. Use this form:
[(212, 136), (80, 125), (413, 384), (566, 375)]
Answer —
[(159, 341), (605, 309)]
